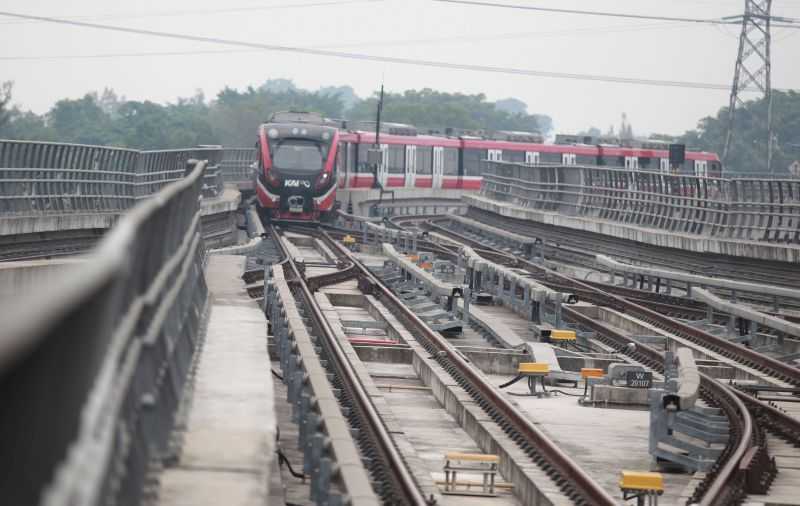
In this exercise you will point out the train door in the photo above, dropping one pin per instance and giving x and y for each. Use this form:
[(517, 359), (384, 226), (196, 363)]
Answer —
[(383, 167), (438, 166), (631, 162), (664, 165), (411, 166), (569, 158), (495, 155), (701, 168), (532, 157)]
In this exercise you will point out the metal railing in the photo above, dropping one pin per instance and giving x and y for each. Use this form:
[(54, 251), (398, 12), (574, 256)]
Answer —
[(92, 365), (235, 166), (766, 210), (38, 178)]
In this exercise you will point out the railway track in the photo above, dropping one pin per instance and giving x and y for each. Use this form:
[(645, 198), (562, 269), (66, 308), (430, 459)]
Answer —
[(574, 243), (48, 245), (397, 485), (745, 461)]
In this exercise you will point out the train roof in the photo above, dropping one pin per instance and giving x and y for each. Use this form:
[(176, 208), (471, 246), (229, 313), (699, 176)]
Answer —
[(299, 130), (582, 149), (414, 140), (314, 118)]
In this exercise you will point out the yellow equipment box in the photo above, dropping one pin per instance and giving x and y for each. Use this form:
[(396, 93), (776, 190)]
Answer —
[(636, 480), (531, 368), (588, 372), (562, 335)]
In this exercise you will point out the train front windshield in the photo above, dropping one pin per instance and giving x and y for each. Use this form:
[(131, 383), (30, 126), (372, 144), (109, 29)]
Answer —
[(296, 155)]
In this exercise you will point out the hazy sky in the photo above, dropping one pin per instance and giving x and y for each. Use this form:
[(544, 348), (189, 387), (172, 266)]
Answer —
[(420, 29)]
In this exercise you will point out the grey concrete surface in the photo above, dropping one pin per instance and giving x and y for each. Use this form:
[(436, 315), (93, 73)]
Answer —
[(227, 201), (602, 441), (229, 441), (429, 428), (20, 277)]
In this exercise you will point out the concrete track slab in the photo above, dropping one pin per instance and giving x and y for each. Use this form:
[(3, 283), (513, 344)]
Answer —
[(602, 441), (229, 440), (429, 428)]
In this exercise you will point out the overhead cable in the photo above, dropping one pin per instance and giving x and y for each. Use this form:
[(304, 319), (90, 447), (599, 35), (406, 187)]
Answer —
[(377, 58), (786, 22)]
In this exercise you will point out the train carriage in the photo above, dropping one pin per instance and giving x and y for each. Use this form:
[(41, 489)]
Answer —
[(296, 177), (304, 158)]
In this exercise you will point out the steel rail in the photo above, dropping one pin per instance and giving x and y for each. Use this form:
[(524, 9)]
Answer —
[(569, 476), (734, 351), (577, 240), (728, 475), (725, 471), (403, 481)]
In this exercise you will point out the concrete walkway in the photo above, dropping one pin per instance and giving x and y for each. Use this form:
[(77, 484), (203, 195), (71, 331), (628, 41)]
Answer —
[(229, 441)]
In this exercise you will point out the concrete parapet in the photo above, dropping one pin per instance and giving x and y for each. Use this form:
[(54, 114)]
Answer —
[(684, 241)]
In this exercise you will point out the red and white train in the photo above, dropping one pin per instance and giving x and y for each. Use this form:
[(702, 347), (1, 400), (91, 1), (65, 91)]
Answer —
[(425, 161), (303, 158)]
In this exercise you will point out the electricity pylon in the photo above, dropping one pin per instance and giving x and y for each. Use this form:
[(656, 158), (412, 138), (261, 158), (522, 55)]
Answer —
[(752, 68)]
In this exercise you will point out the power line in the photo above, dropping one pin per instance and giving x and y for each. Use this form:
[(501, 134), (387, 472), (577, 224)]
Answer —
[(224, 10), (371, 44), (787, 22), (376, 58)]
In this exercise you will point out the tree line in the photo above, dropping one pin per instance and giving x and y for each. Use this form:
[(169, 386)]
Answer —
[(232, 117)]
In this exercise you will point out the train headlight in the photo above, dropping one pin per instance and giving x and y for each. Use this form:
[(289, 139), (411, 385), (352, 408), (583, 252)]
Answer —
[(304, 132), (273, 133), (322, 180), (295, 130), (325, 136)]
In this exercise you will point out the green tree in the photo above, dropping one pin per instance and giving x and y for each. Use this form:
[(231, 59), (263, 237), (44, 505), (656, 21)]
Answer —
[(236, 115), (432, 109), (512, 106), (748, 150), (6, 88), (82, 121)]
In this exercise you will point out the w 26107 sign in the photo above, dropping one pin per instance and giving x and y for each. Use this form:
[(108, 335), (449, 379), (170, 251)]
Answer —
[(639, 379)]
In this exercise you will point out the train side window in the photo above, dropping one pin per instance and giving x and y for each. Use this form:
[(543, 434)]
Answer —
[(532, 157), (568, 158), (363, 166), (495, 155), (397, 162), (424, 160), (664, 165), (472, 161), (450, 167)]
